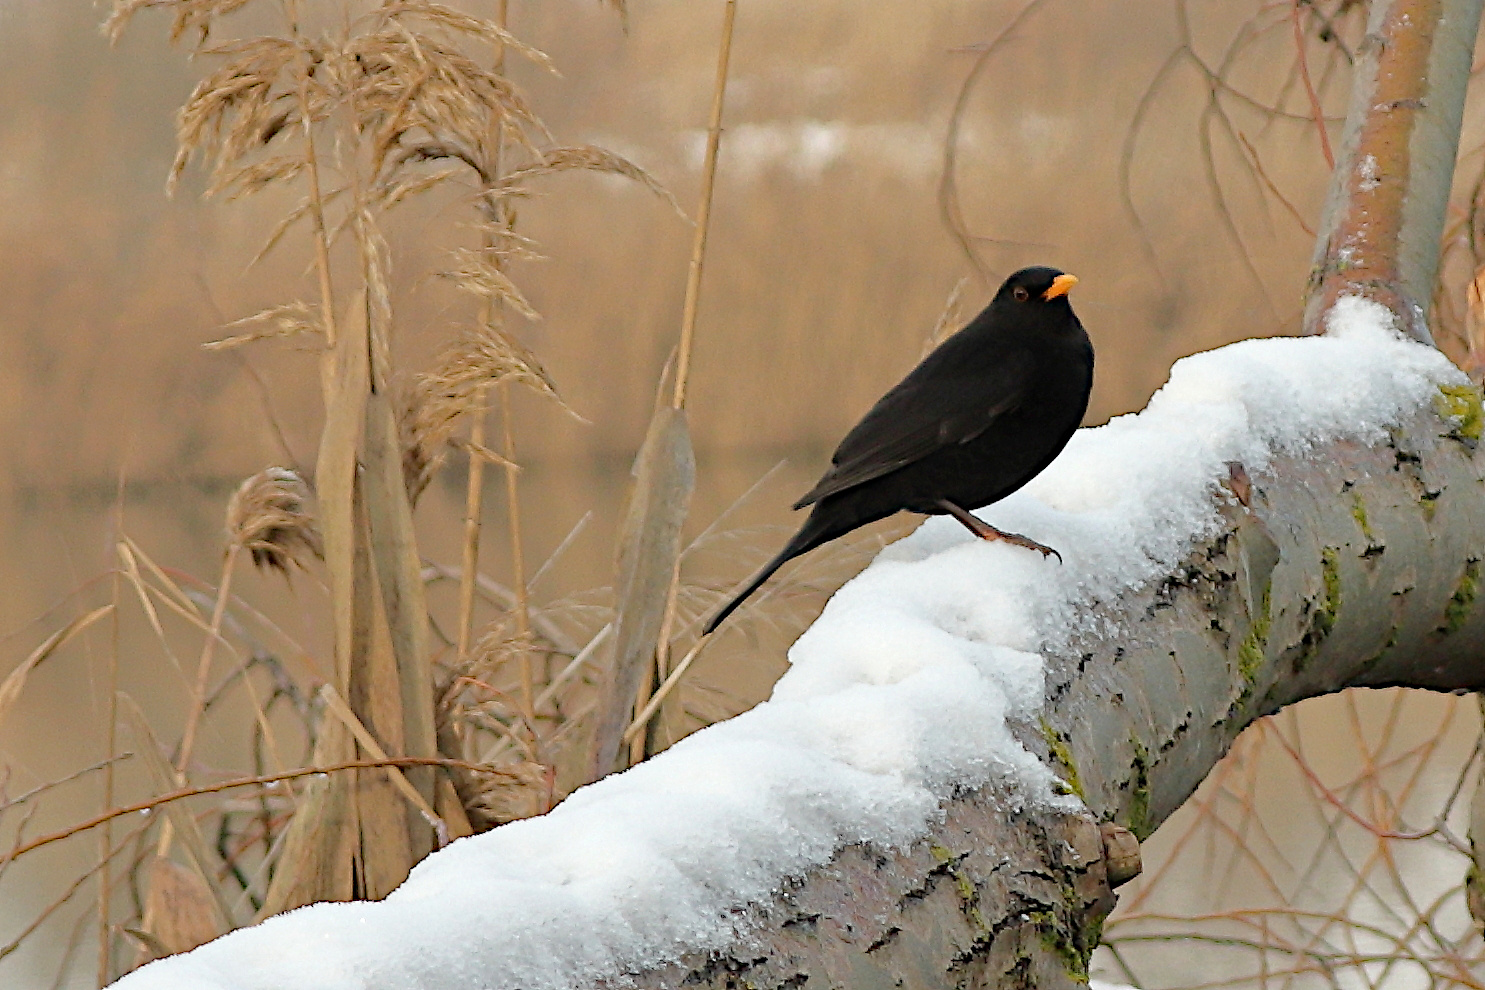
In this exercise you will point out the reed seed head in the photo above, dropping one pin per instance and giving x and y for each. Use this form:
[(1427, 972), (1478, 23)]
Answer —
[(269, 516)]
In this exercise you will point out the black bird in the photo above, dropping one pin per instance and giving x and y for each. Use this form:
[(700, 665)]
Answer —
[(979, 417)]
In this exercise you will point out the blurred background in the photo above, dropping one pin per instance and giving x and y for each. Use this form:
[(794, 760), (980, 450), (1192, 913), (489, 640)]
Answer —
[(1165, 152)]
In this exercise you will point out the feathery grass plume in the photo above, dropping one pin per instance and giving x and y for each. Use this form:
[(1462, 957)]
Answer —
[(287, 321), (474, 707), (269, 516), (190, 15), (389, 102), (522, 790), (435, 401), (588, 158)]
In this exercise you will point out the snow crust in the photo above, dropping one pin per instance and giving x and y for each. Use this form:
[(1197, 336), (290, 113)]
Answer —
[(898, 694)]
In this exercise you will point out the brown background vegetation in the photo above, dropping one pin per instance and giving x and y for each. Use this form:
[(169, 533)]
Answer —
[(829, 266)]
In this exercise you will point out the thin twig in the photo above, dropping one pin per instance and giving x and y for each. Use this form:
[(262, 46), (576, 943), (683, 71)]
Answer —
[(1304, 73), (665, 689), (258, 781)]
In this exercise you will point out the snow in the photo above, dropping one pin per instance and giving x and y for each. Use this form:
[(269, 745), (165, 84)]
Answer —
[(897, 695)]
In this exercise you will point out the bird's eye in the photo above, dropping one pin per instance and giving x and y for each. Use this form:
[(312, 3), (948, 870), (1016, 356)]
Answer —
[(1020, 293)]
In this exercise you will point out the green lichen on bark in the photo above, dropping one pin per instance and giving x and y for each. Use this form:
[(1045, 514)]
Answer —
[(1330, 605), (1073, 949), (1325, 609), (1429, 503), (964, 888), (1060, 751), (1461, 406), (1463, 599), (1251, 650), (1139, 791), (1358, 512)]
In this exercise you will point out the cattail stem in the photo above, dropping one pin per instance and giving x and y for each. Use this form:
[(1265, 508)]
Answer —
[(643, 701), (704, 214)]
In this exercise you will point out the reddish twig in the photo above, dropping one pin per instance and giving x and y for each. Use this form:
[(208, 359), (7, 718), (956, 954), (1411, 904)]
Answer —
[(272, 778), (1304, 73)]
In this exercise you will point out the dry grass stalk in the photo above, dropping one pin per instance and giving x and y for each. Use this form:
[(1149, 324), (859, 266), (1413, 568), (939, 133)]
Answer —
[(517, 554), (704, 213), (289, 321), (167, 778), (473, 503), (111, 733), (395, 775), (15, 681), (266, 516)]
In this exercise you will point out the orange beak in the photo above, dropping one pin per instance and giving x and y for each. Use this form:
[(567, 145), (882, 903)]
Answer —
[(1060, 286)]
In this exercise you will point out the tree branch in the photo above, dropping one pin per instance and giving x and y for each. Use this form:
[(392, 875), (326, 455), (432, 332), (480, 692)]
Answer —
[(1379, 233), (1351, 565)]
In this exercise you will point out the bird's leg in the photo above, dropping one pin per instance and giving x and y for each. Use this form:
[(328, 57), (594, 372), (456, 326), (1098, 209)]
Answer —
[(985, 531)]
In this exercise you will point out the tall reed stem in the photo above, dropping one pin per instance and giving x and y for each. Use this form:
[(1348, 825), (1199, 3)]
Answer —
[(105, 841), (643, 701), (517, 553), (203, 665), (473, 507), (704, 214), (322, 242)]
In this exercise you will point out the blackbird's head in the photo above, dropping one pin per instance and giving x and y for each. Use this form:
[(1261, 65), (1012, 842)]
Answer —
[(1036, 287)]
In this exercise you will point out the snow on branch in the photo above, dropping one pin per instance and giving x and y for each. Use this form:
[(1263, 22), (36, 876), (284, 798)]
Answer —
[(924, 790)]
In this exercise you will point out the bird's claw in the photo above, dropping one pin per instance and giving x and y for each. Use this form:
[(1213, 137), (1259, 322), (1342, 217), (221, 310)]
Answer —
[(1030, 544)]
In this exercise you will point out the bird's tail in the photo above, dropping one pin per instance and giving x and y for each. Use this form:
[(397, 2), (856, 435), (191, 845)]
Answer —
[(810, 535)]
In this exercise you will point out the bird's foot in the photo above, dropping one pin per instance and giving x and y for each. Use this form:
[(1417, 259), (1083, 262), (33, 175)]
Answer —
[(1024, 541), (985, 531)]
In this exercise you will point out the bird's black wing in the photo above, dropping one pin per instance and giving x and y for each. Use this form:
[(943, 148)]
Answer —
[(936, 406)]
